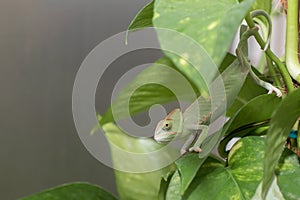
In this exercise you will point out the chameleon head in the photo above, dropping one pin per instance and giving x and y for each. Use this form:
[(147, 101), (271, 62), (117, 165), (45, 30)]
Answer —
[(169, 127)]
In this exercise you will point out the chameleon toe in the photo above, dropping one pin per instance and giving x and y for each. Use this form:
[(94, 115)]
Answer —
[(195, 149)]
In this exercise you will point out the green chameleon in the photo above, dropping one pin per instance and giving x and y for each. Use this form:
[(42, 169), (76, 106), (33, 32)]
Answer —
[(182, 125)]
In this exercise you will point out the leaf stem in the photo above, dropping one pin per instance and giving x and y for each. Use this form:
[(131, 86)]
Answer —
[(292, 61), (273, 73), (285, 75)]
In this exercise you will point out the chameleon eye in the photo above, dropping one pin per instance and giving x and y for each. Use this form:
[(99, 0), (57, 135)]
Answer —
[(167, 125)]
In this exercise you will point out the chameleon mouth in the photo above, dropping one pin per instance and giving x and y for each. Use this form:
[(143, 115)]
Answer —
[(163, 137), (161, 142)]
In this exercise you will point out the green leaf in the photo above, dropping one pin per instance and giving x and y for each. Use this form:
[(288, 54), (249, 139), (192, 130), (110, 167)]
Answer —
[(158, 84), (237, 181), (143, 19), (241, 178), (188, 166), (281, 124), (286, 185), (228, 60), (138, 163), (211, 23), (173, 192), (251, 114), (274, 192), (288, 179), (164, 184), (249, 91), (74, 191), (138, 185)]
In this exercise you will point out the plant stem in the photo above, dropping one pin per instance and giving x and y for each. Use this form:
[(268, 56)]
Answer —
[(273, 73), (292, 61), (285, 75)]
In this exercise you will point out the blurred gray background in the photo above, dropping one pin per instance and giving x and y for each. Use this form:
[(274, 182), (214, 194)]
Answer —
[(42, 44)]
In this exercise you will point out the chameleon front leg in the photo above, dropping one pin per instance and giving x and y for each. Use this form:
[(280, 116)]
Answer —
[(200, 134), (187, 144)]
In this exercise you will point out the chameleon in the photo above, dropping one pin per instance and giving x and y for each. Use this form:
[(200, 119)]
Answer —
[(173, 125), (194, 126), (182, 125)]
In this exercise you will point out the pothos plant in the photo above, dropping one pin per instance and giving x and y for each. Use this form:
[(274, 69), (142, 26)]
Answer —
[(264, 163)]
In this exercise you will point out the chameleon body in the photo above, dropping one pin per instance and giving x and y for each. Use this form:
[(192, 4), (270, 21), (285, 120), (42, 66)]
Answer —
[(178, 125)]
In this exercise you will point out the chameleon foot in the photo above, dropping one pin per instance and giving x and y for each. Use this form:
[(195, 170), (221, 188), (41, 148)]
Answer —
[(196, 149), (183, 151), (272, 89)]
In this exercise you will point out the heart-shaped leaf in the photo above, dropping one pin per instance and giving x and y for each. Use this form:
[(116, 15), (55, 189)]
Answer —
[(240, 179)]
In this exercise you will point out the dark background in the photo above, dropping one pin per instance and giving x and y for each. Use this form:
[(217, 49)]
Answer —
[(42, 44)]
